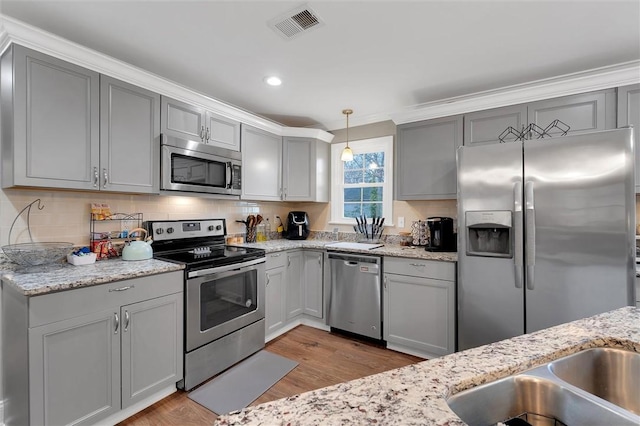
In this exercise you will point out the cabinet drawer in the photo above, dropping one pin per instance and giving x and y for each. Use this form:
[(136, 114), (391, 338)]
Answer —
[(62, 305), (420, 268), (276, 259)]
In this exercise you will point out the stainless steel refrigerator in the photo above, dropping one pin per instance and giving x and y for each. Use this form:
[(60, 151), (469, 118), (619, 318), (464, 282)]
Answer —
[(545, 233)]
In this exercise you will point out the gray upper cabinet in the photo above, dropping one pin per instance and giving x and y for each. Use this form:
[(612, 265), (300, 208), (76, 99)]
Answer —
[(426, 159), (50, 122), (261, 165), (484, 127), (305, 173), (185, 121), (129, 137), (629, 115), (583, 113)]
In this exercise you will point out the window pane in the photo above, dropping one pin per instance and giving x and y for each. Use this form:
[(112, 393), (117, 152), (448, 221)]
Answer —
[(374, 176), (353, 176), (372, 194), (356, 163), (374, 160), (352, 209), (372, 209), (353, 194)]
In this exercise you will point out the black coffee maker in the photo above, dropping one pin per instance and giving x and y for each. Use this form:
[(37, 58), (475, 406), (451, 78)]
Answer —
[(297, 226), (441, 235)]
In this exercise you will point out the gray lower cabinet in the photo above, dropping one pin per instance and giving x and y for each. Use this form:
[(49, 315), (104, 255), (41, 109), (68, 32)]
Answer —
[(419, 306), (312, 281), (294, 288), (129, 137), (190, 122), (426, 159), (629, 115), (79, 356), (276, 284)]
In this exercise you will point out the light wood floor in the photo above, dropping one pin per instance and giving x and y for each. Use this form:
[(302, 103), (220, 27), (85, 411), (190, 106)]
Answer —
[(324, 359)]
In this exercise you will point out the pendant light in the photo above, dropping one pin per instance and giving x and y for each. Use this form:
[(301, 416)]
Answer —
[(347, 153)]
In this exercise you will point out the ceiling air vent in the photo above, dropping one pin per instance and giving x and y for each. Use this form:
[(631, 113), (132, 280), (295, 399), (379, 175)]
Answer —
[(295, 22)]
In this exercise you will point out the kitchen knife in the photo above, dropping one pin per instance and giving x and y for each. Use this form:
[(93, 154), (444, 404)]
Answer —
[(364, 221), (381, 226)]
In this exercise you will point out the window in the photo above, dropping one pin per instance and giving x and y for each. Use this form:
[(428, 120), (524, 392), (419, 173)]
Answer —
[(363, 185)]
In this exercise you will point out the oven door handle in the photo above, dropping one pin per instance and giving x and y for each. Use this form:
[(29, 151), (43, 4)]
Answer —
[(226, 268)]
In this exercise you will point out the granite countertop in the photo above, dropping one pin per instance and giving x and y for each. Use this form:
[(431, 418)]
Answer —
[(36, 280), (415, 394), (386, 250)]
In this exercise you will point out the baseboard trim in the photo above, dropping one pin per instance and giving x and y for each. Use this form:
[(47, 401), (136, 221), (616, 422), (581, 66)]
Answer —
[(137, 407), (301, 320)]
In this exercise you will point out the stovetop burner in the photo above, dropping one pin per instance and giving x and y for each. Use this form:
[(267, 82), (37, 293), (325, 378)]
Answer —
[(197, 244)]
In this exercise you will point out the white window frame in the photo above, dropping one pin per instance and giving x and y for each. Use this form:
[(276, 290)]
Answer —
[(362, 146)]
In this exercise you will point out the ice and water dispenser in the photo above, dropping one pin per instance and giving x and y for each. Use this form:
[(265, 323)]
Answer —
[(489, 233)]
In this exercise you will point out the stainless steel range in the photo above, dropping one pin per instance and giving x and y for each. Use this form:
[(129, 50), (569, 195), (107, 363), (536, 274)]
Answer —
[(224, 294)]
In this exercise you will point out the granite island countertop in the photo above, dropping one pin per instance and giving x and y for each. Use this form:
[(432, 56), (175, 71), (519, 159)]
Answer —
[(37, 280), (386, 250), (415, 394)]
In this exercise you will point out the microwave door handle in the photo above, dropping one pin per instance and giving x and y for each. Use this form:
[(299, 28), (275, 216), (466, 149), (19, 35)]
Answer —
[(229, 174)]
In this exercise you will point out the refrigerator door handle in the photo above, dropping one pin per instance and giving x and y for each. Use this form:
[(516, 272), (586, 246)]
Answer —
[(530, 232), (518, 233)]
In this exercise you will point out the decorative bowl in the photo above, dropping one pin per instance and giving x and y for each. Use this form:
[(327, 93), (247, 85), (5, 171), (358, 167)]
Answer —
[(33, 254)]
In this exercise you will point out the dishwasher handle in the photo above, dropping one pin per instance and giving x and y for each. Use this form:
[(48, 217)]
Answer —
[(354, 258)]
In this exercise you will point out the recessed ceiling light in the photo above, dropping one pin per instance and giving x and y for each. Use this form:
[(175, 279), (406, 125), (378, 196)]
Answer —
[(273, 80)]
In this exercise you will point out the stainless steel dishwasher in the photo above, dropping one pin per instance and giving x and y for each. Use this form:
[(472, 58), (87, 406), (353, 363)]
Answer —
[(356, 295)]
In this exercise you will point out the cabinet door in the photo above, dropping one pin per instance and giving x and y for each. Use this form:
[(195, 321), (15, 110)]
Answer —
[(274, 315), (419, 313), (222, 132), (261, 165), (484, 127), (294, 289), (74, 369), (313, 283), (129, 137), (584, 113), (182, 120), (152, 347), (298, 174), (426, 159), (55, 123), (629, 115)]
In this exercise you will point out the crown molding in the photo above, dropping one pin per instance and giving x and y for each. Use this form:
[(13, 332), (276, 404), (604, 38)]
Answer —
[(307, 132), (18, 32), (569, 84)]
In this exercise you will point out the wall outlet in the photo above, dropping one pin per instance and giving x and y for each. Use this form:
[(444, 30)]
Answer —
[(400, 221)]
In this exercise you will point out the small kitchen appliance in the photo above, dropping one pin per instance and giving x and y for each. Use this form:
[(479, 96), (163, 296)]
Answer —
[(224, 301), (297, 226), (441, 235)]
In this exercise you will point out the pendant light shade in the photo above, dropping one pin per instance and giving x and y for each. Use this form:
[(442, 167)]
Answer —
[(347, 153)]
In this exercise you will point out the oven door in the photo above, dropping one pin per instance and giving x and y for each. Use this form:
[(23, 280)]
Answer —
[(195, 171), (223, 300)]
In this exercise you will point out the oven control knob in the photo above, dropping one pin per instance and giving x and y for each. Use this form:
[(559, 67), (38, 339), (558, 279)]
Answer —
[(169, 230), (215, 228), (159, 231)]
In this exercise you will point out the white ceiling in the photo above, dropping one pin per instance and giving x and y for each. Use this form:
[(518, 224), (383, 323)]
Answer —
[(376, 57)]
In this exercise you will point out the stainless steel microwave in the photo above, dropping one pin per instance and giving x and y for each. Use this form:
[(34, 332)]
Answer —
[(191, 166)]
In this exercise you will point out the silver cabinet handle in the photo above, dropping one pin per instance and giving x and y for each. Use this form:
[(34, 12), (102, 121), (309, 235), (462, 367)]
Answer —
[(105, 176), (418, 265), (202, 133), (207, 134), (385, 282), (276, 255), (288, 261), (126, 321), (95, 177), (320, 260), (121, 288), (518, 231), (117, 323), (530, 232), (268, 279)]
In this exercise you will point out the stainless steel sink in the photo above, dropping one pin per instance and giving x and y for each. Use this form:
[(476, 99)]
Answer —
[(569, 391), (611, 374)]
